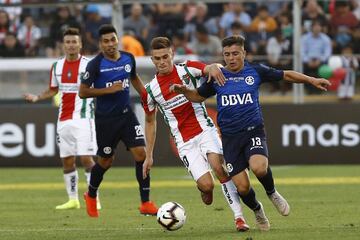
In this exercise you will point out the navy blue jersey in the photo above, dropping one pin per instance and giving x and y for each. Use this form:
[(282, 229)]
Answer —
[(238, 100), (102, 72)]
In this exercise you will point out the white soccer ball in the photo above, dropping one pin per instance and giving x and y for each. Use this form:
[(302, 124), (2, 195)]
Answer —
[(171, 216)]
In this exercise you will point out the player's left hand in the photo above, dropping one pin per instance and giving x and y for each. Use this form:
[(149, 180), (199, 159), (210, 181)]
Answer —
[(216, 73), (320, 83)]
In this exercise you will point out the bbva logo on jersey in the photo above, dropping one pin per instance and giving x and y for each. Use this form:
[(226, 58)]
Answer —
[(236, 99)]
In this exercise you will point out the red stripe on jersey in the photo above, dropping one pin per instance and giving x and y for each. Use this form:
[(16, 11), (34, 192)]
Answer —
[(67, 106), (69, 74), (70, 71), (188, 125), (196, 64)]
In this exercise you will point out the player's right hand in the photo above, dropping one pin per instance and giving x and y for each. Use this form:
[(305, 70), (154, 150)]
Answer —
[(178, 88), (116, 87), (146, 166), (31, 97)]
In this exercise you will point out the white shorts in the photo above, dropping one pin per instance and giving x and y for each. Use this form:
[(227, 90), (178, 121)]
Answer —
[(76, 137), (193, 153)]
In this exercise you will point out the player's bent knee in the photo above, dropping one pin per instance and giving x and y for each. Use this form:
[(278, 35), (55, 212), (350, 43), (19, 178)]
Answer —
[(105, 163), (259, 172), (243, 189), (205, 184)]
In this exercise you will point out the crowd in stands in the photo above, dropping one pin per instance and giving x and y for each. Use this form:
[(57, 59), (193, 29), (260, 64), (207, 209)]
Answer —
[(328, 27)]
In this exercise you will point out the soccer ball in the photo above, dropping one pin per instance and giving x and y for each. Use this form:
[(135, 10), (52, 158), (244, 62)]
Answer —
[(171, 216)]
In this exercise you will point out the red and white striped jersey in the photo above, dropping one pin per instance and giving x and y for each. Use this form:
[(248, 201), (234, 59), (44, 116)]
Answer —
[(185, 119), (66, 77)]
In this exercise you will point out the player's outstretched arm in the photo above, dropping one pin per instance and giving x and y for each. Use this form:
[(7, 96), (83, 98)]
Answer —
[(137, 84), (86, 91), (191, 94), (44, 95), (213, 71), (296, 77), (150, 136)]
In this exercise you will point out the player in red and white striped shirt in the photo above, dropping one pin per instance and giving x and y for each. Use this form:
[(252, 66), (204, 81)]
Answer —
[(75, 127), (196, 137)]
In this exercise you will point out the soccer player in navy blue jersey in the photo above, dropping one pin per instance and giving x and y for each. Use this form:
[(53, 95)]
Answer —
[(107, 78), (241, 122)]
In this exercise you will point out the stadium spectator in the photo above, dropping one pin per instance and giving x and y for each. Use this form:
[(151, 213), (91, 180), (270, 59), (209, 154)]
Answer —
[(195, 134), (236, 13), (29, 35), (92, 23), (276, 47), (241, 122), (130, 44), (62, 21), (262, 27), (169, 18), (315, 50), (285, 24), (346, 89), (14, 12), (11, 47), (5, 25), (313, 12), (201, 17), (108, 78), (206, 46), (138, 22), (343, 22), (75, 126), (355, 4), (180, 44)]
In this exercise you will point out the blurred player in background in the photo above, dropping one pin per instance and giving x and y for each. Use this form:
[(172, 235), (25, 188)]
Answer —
[(75, 128), (195, 134), (241, 123), (107, 78)]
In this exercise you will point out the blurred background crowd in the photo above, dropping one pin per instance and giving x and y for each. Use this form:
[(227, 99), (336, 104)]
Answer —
[(328, 28)]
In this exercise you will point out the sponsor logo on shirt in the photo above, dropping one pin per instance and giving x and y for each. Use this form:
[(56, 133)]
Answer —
[(249, 80), (235, 79), (114, 69), (69, 87), (128, 68), (234, 99), (175, 102)]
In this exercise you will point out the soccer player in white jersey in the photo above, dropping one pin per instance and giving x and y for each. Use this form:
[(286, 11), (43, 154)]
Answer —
[(75, 127), (195, 134)]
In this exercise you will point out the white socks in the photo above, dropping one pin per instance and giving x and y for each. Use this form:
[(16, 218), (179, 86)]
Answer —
[(232, 197), (71, 183)]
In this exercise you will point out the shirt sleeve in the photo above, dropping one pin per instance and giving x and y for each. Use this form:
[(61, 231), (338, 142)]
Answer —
[(91, 73), (268, 74), (207, 89), (53, 83), (147, 100), (196, 67), (133, 67)]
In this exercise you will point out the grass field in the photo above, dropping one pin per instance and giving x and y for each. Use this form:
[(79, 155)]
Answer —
[(325, 204)]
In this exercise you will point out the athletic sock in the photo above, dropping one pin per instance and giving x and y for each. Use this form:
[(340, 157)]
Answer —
[(97, 173), (88, 176), (144, 184), (268, 182), (231, 195), (71, 180), (250, 200)]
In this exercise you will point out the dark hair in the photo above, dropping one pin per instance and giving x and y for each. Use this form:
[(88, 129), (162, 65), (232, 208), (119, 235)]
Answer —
[(106, 28), (160, 43), (200, 28), (235, 39), (71, 31)]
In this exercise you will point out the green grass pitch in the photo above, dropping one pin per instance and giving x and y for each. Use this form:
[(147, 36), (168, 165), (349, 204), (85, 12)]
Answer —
[(325, 204)]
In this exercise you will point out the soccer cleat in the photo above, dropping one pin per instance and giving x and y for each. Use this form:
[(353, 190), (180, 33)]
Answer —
[(71, 204), (261, 220), (241, 225), (91, 205), (98, 204), (148, 208), (280, 203)]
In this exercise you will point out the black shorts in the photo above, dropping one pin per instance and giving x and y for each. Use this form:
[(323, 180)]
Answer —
[(239, 148), (110, 130)]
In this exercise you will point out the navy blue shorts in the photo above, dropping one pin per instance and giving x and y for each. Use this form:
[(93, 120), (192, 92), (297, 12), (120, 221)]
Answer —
[(239, 148), (110, 130)]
